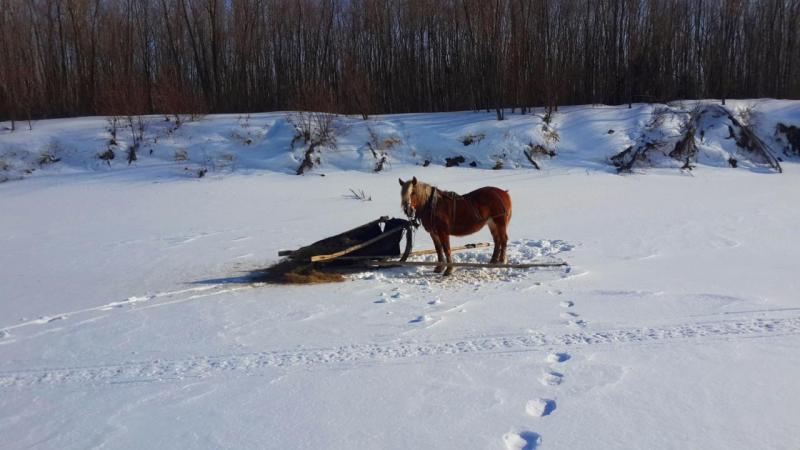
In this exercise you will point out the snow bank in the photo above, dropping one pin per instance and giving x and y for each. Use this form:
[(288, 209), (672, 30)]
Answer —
[(583, 137)]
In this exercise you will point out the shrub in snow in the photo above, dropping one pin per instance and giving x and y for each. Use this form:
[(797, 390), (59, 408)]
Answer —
[(181, 155), (316, 130), (380, 146), (537, 150), (131, 153), (791, 134), (359, 195), (107, 156), (46, 158), (454, 161), (472, 138)]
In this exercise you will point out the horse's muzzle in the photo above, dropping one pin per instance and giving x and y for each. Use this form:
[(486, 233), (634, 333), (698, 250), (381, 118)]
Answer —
[(410, 211)]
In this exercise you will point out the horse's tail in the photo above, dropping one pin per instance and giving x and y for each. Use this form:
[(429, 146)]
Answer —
[(505, 197), (509, 207)]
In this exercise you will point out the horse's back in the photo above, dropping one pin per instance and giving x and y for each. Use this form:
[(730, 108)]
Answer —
[(490, 203), (465, 214), (491, 196)]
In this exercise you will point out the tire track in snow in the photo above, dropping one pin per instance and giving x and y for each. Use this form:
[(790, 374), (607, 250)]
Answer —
[(204, 366)]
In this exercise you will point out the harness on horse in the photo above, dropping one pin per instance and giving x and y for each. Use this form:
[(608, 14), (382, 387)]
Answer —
[(455, 197)]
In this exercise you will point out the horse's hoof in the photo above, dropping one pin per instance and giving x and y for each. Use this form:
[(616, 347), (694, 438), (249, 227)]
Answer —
[(448, 272), (438, 269)]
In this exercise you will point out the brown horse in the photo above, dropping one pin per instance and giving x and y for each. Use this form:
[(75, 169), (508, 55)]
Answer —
[(445, 213)]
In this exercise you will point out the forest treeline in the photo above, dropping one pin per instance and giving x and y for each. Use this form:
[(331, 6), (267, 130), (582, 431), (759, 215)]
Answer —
[(85, 57)]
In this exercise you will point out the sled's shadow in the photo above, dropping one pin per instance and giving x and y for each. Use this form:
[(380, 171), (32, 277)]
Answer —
[(246, 277)]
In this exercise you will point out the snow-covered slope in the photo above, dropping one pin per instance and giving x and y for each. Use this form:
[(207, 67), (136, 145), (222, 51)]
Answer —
[(583, 137), (127, 319)]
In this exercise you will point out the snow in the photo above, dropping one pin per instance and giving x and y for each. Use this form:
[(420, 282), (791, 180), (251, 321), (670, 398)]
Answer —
[(127, 319)]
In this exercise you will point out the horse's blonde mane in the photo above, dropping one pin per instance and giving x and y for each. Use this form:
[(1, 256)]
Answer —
[(423, 192)]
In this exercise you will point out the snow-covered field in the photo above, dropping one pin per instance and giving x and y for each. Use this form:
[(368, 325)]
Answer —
[(127, 319)]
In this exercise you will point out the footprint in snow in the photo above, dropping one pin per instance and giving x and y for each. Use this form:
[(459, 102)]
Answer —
[(421, 319), (555, 357), (47, 319), (387, 299), (524, 440), (568, 315), (567, 304), (551, 378), (127, 302), (579, 323), (540, 407)]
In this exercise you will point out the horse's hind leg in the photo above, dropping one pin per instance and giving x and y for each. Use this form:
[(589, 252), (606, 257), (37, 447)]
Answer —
[(502, 240), (494, 229), (439, 253)]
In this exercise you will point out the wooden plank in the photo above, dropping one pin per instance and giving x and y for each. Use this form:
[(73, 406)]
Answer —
[(477, 265), (320, 258)]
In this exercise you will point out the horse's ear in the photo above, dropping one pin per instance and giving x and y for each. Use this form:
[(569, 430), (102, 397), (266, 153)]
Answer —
[(414, 181), (401, 181)]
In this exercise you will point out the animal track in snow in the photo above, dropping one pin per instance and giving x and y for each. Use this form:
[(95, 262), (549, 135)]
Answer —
[(566, 304), (204, 366), (525, 440), (540, 407), (569, 315)]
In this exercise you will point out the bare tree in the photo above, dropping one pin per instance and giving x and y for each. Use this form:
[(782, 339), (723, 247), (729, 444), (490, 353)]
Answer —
[(120, 57)]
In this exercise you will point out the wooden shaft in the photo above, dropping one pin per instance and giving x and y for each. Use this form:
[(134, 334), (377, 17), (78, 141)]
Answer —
[(452, 249), (416, 253), (467, 264)]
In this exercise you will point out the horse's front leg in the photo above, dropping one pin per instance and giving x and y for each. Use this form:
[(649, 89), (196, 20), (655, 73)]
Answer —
[(439, 253), (444, 238)]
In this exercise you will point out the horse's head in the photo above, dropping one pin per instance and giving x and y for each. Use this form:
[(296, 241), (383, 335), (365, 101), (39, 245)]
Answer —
[(409, 199)]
